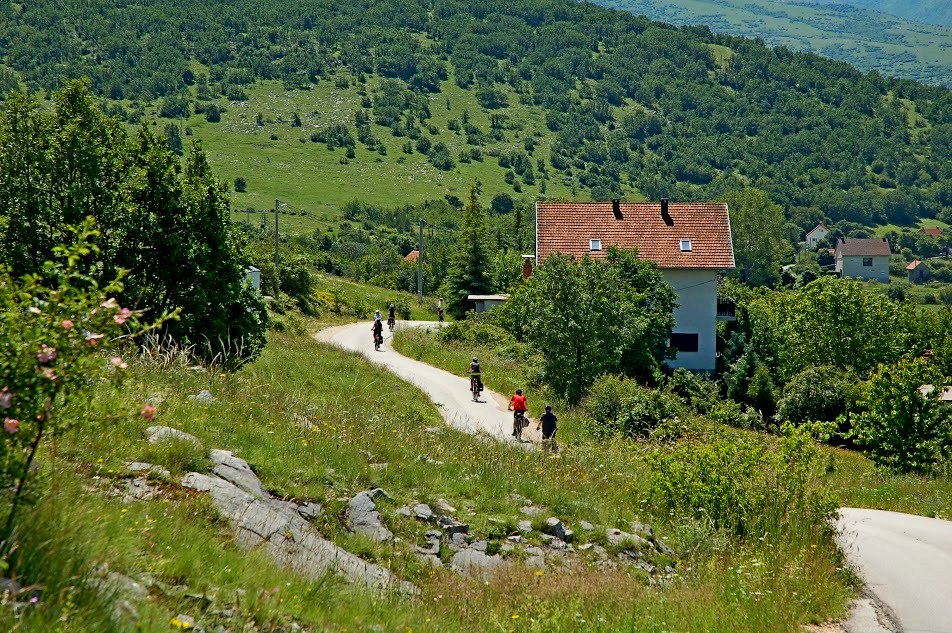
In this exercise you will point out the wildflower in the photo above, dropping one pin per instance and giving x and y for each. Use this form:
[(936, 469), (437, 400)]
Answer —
[(67, 324), (49, 373), (148, 411), (109, 303), (46, 354), (124, 314), (177, 623), (11, 426), (118, 363), (515, 616), (92, 338), (5, 398)]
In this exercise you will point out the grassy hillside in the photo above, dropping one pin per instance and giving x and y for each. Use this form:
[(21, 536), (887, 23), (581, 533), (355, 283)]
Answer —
[(867, 37), (929, 11)]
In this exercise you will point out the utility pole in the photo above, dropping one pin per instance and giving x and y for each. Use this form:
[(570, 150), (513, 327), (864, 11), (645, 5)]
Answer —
[(277, 247), (419, 265)]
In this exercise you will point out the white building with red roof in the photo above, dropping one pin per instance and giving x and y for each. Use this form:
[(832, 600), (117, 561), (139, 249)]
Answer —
[(689, 241), (861, 258)]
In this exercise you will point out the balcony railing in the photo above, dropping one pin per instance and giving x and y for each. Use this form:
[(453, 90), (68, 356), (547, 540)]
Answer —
[(726, 309)]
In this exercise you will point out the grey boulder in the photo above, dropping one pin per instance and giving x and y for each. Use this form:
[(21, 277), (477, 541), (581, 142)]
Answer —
[(362, 517)]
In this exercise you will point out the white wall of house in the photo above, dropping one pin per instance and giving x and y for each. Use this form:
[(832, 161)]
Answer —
[(814, 236), (853, 267), (696, 314)]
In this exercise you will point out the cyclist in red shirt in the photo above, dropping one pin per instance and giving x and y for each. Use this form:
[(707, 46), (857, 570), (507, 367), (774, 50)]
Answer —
[(517, 404)]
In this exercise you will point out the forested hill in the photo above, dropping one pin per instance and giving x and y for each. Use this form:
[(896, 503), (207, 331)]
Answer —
[(682, 113)]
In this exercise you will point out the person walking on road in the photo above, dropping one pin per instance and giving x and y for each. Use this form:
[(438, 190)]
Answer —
[(549, 424)]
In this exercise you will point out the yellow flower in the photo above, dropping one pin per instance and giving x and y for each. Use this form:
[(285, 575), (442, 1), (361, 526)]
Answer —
[(539, 573), (179, 624), (515, 616)]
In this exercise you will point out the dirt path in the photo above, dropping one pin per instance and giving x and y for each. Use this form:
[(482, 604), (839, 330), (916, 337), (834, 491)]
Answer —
[(449, 392)]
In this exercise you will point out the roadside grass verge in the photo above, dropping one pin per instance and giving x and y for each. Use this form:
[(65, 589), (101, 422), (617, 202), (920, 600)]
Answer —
[(320, 424)]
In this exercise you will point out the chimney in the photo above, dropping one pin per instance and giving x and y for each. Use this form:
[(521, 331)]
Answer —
[(527, 266), (668, 220), (616, 208)]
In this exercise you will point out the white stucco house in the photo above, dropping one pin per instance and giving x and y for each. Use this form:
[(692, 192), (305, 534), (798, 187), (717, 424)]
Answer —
[(863, 259), (689, 241), (816, 235)]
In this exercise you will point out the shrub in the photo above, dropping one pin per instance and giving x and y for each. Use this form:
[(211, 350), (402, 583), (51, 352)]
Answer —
[(241, 184), (618, 406), (696, 391), (902, 428), (817, 394), (745, 486), (50, 341)]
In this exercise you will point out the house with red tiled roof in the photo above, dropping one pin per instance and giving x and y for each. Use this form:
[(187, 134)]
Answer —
[(412, 256), (816, 235), (934, 232), (863, 258), (689, 241), (917, 271)]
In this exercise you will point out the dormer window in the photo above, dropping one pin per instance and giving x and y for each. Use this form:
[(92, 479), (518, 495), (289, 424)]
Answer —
[(594, 245), (686, 246)]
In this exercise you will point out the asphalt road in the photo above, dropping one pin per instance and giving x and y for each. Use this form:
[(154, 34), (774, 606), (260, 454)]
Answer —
[(450, 392), (906, 563)]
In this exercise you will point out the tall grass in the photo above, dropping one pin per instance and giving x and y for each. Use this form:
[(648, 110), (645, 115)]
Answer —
[(320, 424)]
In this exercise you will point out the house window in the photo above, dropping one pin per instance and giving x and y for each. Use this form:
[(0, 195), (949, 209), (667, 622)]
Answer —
[(685, 246), (595, 245), (867, 261), (684, 342)]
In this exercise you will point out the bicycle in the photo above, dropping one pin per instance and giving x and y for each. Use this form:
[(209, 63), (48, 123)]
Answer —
[(475, 388), (520, 422), (378, 341), (391, 322)]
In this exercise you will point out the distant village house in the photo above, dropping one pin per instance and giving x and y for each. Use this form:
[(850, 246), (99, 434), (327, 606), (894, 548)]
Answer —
[(816, 235), (690, 243), (863, 259), (917, 272)]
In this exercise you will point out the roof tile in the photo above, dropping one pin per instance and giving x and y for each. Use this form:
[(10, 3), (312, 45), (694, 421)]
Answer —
[(568, 227)]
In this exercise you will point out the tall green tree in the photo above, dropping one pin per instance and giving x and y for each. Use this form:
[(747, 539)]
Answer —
[(759, 233), (592, 317), (469, 271)]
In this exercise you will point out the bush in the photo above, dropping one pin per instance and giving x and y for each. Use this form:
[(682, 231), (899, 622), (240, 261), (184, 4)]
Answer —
[(618, 406), (474, 331), (902, 428), (745, 486), (817, 394), (241, 185), (696, 391)]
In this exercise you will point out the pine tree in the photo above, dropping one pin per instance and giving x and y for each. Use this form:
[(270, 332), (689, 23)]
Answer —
[(468, 271)]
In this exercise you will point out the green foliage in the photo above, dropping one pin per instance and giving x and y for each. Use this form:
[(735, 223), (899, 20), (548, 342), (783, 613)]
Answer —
[(51, 337), (745, 486), (619, 406), (592, 317), (758, 229), (470, 261), (697, 391), (831, 321), (818, 394), (902, 428), (167, 224)]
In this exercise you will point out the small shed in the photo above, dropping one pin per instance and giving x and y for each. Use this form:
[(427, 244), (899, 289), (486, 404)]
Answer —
[(917, 271), (485, 303), (253, 277), (412, 256)]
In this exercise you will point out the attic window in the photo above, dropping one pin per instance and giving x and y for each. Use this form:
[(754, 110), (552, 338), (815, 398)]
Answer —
[(595, 245), (686, 246)]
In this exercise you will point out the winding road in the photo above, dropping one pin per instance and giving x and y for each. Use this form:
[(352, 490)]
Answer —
[(905, 560)]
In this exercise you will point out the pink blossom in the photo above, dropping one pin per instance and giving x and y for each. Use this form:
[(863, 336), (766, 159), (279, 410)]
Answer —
[(109, 303), (5, 398), (49, 373), (118, 362), (11, 426), (46, 354), (67, 324), (124, 314), (91, 338), (148, 411)]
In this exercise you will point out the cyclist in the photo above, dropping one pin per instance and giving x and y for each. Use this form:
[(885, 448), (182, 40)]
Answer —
[(377, 329), (476, 373), (517, 404), (392, 318)]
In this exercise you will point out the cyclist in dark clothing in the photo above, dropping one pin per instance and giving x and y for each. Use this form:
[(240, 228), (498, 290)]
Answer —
[(392, 318), (476, 372), (377, 329), (548, 424)]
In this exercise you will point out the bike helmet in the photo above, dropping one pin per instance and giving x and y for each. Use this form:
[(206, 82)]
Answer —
[(518, 392), (475, 360), (548, 407)]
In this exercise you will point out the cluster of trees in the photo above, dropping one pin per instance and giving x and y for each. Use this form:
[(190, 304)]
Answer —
[(628, 100), (166, 223)]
